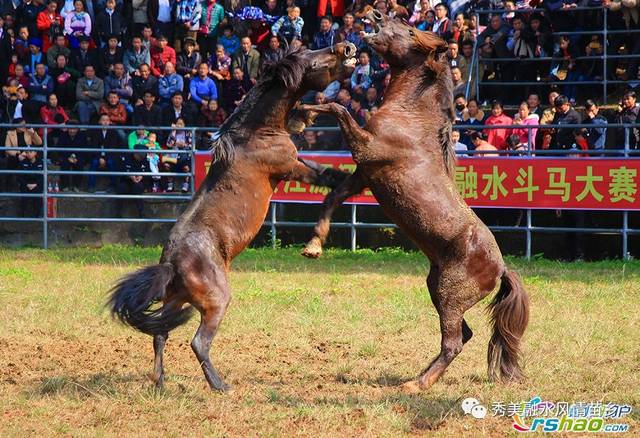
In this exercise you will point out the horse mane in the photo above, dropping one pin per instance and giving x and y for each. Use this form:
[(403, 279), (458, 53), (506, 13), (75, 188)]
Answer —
[(438, 73), (288, 73)]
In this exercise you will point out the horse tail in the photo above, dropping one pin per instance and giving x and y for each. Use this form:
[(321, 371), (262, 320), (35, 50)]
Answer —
[(509, 317), (133, 297)]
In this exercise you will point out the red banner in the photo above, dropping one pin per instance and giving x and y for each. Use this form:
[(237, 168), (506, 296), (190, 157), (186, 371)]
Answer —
[(551, 183)]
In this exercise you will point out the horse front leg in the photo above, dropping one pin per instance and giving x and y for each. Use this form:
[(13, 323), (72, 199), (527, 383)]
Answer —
[(351, 186), (357, 138)]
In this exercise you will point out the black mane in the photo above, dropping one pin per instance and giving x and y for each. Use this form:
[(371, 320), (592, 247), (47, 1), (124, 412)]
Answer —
[(287, 73)]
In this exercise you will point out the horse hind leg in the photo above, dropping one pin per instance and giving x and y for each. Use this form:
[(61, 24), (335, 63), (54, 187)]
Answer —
[(212, 299), (454, 330), (159, 342)]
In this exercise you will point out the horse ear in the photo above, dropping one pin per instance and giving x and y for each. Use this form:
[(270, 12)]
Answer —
[(433, 64)]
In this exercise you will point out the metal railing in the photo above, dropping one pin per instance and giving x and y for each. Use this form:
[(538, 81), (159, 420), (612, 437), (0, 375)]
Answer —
[(604, 32), (273, 221)]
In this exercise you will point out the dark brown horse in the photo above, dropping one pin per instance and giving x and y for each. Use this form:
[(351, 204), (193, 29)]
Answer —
[(253, 153), (405, 157)]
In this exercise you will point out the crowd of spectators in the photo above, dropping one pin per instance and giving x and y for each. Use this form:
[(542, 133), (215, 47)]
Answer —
[(184, 63)]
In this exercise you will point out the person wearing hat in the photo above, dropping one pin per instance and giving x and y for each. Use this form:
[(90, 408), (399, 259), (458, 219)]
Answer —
[(188, 61), (35, 55)]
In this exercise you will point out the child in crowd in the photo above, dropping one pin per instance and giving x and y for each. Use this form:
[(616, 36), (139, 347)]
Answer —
[(181, 140)]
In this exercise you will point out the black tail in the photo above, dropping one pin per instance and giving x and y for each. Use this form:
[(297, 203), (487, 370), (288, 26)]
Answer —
[(134, 295), (509, 317)]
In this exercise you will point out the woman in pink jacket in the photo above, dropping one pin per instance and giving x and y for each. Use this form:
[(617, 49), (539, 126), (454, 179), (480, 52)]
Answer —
[(524, 118), (498, 136)]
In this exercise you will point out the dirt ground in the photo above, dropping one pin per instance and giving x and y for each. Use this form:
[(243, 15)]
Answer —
[(311, 348)]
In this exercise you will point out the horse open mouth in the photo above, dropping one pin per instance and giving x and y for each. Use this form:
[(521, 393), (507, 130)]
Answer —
[(350, 51), (373, 18)]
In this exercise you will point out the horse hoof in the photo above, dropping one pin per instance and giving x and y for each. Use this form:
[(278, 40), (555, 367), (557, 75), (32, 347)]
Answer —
[(411, 387), (312, 250), (223, 388)]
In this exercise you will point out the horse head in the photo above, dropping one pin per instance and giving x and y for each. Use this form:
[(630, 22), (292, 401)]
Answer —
[(400, 44), (328, 65)]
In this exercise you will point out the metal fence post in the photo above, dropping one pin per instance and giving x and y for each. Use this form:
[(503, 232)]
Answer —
[(625, 214), (45, 199), (354, 242), (273, 226), (193, 163), (604, 67)]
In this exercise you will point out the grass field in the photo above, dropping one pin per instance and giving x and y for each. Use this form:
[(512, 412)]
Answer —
[(312, 348)]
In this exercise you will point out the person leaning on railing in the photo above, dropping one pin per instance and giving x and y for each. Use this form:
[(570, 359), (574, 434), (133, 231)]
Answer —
[(628, 113), (565, 115)]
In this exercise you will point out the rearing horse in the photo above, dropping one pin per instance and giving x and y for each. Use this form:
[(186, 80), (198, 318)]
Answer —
[(405, 157), (253, 153)]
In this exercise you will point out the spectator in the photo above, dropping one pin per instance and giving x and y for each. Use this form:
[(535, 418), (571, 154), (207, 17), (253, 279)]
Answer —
[(427, 19), (212, 115), (29, 160), (20, 76), (49, 24), (220, 65), (77, 24), (565, 67), (442, 25), (26, 108), (119, 82), (371, 98), (460, 106), (89, 93), (114, 109), (27, 13), (628, 114), (289, 26), (138, 137), (64, 81), (148, 114), (325, 37), (148, 41), (348, 31), (177, 110), (459, 86), (179, 140), (521, 43), (596, 135), (188, 62), (235, 91), (212, 18), (526, 136), (565, 115), (549, 113), (139, 16), (480, 144), (59, 48), (136, 56), (514, 144), (533, 101), (134, 184), (67, 8), (160, 55), (472, 115), (460, 30), (455, 139), (110, 55), (497, 136), (361, 76), (40, 85), (72, 138), (35, 55), (142, 82), (21, 43), (83, 56), (169, 84), (102, 161), (274, 52), (52, 113), (159, 13), (229, 40), (109, 23), (247, 59), (453, 57), (397, 11), (202, 87), (188, 14)]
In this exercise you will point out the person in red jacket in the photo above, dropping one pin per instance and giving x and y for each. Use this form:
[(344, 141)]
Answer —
[(498, 136), (160, 55), (49, 24)]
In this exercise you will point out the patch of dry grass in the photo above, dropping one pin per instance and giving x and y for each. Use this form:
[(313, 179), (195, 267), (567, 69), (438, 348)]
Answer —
[(312, 348)]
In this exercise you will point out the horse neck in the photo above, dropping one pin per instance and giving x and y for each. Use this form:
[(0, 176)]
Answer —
[(273, 105), (407, 90)]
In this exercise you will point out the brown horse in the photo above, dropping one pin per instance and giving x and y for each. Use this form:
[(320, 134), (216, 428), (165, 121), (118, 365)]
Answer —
[(253, 153), (405, 157)]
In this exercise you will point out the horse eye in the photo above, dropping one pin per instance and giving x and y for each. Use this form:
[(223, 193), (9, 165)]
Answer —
[(411, 32)]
